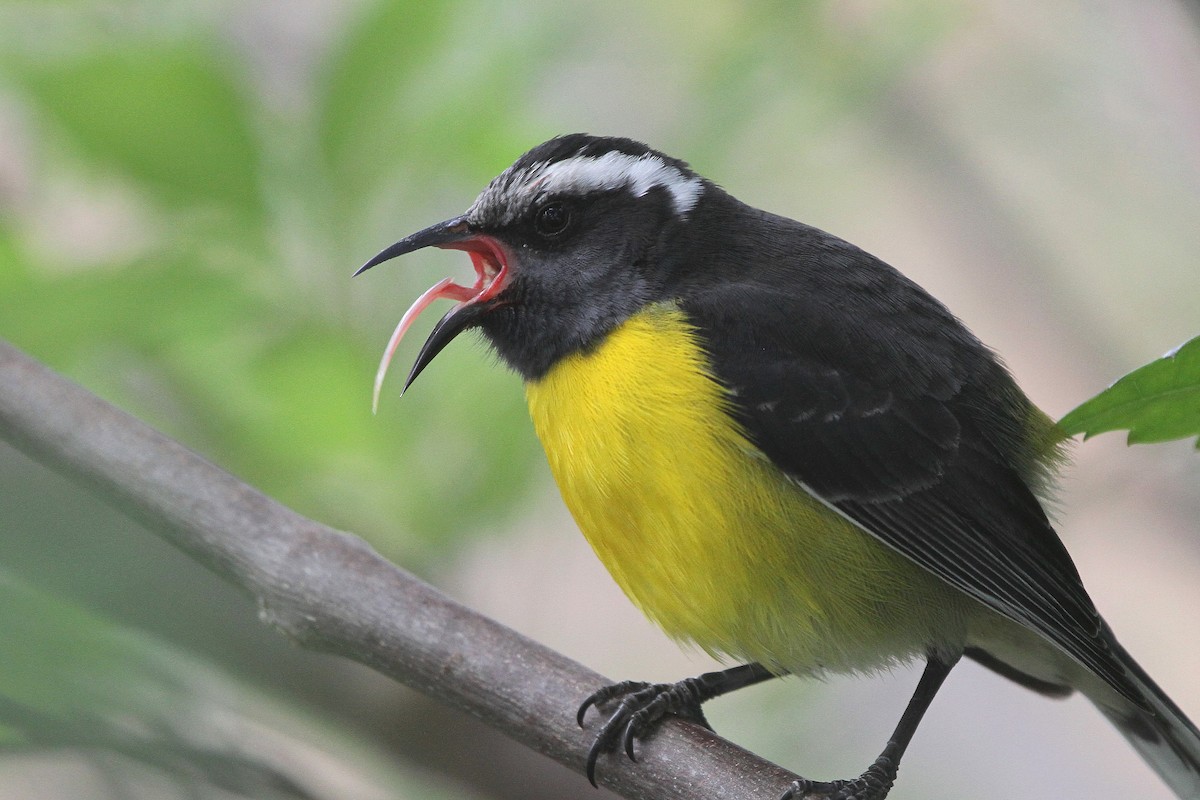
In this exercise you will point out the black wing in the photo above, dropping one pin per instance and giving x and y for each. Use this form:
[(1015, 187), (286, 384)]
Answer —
[(866, 390)]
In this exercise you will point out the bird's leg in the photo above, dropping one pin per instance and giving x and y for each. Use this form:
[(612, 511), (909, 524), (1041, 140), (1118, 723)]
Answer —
[(877, 780), (642, 705)]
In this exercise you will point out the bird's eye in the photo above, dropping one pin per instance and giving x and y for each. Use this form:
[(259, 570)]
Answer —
[(552, 219)]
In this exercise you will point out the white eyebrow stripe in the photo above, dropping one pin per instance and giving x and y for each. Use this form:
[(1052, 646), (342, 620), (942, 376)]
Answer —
[(614, 170)]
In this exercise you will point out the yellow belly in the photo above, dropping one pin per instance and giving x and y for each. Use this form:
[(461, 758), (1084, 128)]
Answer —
[(703, 533)]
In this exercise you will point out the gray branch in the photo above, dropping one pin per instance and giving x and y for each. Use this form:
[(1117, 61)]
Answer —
[(330, 591)]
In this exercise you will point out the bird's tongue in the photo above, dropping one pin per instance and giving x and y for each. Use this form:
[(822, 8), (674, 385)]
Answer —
[(490, 271)]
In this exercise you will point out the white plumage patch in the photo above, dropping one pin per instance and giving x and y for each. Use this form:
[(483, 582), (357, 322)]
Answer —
[(615, 170), (512, 192)]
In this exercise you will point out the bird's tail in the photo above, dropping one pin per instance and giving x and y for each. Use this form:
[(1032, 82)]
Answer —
[(1166, 738)]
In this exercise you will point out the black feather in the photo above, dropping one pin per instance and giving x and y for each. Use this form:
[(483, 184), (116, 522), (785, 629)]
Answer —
[(864, 389)]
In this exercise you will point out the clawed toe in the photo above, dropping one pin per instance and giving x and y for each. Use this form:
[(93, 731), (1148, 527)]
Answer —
[(642, 706)]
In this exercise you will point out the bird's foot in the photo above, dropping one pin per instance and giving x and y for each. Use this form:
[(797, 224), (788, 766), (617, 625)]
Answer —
[(641, 707), (873, 784)]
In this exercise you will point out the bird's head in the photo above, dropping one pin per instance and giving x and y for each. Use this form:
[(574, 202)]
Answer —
[(568, 242)]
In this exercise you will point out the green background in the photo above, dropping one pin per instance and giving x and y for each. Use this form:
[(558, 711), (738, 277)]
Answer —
[(185, 189)]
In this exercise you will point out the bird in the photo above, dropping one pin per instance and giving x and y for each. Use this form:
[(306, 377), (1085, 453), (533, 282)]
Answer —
[(784, 451)]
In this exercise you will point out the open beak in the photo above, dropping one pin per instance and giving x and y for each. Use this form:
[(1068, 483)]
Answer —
[(491, 275)]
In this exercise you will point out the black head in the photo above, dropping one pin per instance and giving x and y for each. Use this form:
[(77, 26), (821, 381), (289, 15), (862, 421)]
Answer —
[(568, 242)]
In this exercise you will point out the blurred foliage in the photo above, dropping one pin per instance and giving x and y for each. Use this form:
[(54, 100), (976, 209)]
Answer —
[(76, 686), (185, 250), (1155, 403), (219, 328), (192, 190), (168, 118), (199, 198), (224, 313)]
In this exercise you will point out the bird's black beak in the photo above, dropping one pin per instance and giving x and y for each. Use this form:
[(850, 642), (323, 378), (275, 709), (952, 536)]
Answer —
[(440, 235), (491, 276)]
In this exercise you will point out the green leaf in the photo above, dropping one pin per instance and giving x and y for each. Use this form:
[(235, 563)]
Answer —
[(1155, 403), (169, 118)]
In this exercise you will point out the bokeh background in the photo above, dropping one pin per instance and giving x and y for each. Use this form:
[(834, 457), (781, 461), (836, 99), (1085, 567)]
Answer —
[(186, 187)]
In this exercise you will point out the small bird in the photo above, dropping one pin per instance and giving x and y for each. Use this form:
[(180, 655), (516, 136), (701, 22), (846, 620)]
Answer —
[(784, 451)]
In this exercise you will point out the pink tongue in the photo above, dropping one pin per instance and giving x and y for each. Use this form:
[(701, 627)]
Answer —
[(446, 288)]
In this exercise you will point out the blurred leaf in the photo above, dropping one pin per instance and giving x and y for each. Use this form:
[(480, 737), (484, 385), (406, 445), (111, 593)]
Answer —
[(74, 683), (1156, 403), (12, 265), (399, 57), (169, 118), (248, 355), (849, 61), (146, 306), (372, 63), (283, 400)]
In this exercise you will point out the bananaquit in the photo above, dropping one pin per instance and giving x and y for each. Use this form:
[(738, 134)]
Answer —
[(783, 450)]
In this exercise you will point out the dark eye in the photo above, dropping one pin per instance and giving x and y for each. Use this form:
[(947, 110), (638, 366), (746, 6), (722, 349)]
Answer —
[(552, 219)]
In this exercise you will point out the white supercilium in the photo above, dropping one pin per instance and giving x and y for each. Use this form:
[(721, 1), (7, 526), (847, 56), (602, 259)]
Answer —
[(615, 170), (512, 192)]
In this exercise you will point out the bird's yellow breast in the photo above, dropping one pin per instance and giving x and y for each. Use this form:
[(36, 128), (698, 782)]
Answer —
[(701, 531)]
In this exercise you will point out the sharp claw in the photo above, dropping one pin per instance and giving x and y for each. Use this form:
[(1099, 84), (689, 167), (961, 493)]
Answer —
[(590, 769), (601, 695), (639, 709), (642, 707), (629, 737), (583, 709)]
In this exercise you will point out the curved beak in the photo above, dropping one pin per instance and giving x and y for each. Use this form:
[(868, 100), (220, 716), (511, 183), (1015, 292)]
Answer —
[(491, 276), (441, 235)]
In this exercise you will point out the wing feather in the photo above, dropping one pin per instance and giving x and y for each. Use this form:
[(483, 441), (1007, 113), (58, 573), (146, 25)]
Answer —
[(888, 410)]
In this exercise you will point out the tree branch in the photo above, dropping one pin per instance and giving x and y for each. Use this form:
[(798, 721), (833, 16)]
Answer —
[(330, 591)]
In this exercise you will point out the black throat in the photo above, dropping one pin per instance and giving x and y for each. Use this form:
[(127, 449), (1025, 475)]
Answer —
[(567, 305)]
